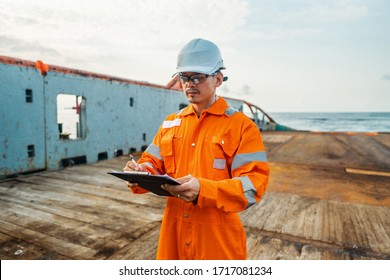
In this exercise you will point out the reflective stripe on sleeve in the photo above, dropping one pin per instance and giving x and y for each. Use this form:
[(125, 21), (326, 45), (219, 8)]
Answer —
[(249, 189), (242, 159), (150, 165), (154, 151)]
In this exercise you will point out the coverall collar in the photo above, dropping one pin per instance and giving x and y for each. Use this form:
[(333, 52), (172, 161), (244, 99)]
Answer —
[(217, 108)]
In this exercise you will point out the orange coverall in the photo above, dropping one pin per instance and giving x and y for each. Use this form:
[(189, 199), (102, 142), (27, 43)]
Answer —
[(223, 148)]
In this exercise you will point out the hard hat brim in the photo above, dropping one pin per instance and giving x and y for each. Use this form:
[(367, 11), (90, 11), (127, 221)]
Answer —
[(198, 69)]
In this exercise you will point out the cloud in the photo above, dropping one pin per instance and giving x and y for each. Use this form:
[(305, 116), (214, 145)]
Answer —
[(133, 34), (325, 11), (279, 19), (386, 77), (310, 11), (124, 23), (246, 90), (278, 32), (15, 45), (225, 89)]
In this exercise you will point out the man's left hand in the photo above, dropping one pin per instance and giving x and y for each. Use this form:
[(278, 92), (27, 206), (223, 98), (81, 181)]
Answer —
[(188, 190)]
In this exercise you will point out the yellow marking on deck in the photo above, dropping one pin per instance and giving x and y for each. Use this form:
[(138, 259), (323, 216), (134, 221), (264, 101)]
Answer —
[(367, 172)]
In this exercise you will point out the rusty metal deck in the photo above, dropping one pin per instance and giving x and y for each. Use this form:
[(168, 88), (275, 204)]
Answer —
[(313, 208)]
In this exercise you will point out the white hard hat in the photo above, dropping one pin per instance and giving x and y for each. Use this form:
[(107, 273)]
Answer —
[(200, 56)]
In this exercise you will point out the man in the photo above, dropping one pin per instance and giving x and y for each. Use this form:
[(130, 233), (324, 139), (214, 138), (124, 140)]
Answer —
[(217, 155)]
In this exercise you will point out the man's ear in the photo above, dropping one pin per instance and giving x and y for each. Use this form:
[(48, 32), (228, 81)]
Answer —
[(219, 79)]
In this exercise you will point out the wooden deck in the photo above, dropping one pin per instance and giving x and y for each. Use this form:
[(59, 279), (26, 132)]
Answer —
[(313, 208)]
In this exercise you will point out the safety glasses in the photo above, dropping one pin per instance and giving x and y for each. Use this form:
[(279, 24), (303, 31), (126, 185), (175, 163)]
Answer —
[(195, 78)]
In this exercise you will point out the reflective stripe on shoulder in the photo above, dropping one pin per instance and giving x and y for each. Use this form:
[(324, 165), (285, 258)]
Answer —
[(242, 159), (154, 151), (181, 111), (249, 189), (230, 111)]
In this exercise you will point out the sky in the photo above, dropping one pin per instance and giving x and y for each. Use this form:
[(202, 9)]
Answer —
[(282, 55)]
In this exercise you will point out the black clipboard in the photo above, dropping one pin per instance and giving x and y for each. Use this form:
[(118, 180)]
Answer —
[(147, 181)]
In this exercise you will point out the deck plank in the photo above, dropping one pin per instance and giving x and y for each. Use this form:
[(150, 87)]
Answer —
[(352, 227), (144, 248), (62, 247), (17, 249)]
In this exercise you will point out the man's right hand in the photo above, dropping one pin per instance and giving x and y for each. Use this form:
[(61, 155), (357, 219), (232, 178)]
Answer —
[(131, 166)]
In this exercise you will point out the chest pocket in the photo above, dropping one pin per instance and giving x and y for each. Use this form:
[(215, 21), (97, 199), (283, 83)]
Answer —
[(221, 149), (222, 146), (167, 151)]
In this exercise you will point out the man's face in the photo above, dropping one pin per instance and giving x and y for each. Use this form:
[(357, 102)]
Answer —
[(200, 88)]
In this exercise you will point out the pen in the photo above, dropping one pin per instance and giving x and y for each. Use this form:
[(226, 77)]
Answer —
[(132, 159)]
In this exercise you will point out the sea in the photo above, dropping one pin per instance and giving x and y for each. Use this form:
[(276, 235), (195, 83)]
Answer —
[(346, 122)]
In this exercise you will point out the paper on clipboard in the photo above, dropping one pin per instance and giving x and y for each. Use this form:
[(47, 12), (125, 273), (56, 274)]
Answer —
[(146, 180)]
